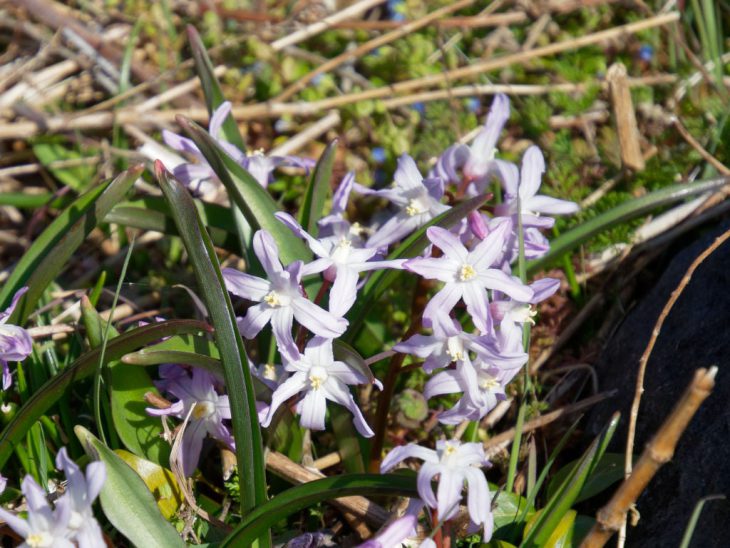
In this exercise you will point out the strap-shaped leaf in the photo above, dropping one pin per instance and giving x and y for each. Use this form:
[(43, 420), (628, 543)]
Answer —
[(620, 214), (212, 88), (253, 200), (317, 190), (126, 500), (50, 251), (549, 518), (302, 496), (381, 280), (239, 384), (83, 367)]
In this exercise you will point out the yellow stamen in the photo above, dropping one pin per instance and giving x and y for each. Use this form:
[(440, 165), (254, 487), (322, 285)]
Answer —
[(272, 299), (467, 272)]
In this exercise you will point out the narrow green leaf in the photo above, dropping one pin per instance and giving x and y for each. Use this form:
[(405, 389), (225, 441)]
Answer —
[(160, 481), (302, 496), (609, 470), (249, 448), (317, 190), (694, 518), (550, 516), (140, 432), (42, 400), (253, 200), (212, 89), (77, 177), (126, 501), (627, 211), (50, 251), (381, 280)]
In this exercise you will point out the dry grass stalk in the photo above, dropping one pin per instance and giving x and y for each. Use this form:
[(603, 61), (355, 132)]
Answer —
[(691, 141), (370, 45), (354, 10), (623, 110), (659, 451)]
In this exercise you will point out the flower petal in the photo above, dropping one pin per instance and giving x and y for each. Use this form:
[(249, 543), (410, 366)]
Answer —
[(267, 252), (255, 320), (313, 408), (245, 286)]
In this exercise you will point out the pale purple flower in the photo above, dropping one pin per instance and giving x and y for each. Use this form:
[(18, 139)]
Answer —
[(3, 483), (280, 298), (521, 188), (398, 530), (207, 417), (341, 262), (467, 275), (419, 201), (16, 343), (81, 491), (477, 161), (337, 211), (481, 383), (450, 344), (512, 314), (45, 527), (456, 463), (198, 174), (319, 377)]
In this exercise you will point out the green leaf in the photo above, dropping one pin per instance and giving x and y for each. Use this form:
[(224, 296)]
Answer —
[(42, 400), (126, 501), (77, 177), (562, 535), (50, 251), (160, 481), (508, 511), (212, 89), (140, 432), (300, 497), (253, 200), (609, 470), (249, 448), (381, 280), (317, 190), (625, 212), (558, 505)]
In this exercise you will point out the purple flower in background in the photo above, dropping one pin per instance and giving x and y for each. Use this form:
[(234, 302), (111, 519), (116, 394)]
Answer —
[(280, 298), (320, 378), (81, 492), (450, 344), (398, 530), (467, 275), (477, 161), (207, 416), (258, 164), (417, 198), (16, 343), (341, 261), (522, 188), (456, 463)]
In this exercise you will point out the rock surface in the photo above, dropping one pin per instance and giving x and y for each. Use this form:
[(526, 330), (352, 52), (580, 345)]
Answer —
[(696, 334)]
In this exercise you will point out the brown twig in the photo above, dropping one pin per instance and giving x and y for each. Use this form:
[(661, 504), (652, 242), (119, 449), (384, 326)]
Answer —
[(683, 283), (625, 116), (370, 45), (691, 141), (659, 451)]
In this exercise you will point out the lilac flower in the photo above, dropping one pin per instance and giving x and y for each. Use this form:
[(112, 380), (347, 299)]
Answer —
[(207, 417), (450, 344), (455, 463), (340, 260), (477, 161), (481, 383), (45, 527), (258, 165), (320, 378), (467, 275), (522, 188), (16, 343), (512, 314), (398, 530), (81, 492), (417, 198), (280, 298)]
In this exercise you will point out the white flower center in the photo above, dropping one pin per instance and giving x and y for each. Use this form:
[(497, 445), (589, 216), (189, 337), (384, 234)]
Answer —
[(467, 272), (487, 382), (342, 250), (269, 372), (455, 348), (317, 377), (76, 521), (6, 408), (39, 540), (256, 153), (415, 207), (203, 410), (272, 299), (523, 314)]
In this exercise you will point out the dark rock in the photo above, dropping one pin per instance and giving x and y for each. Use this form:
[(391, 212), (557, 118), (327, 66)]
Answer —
[(695, 334)]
